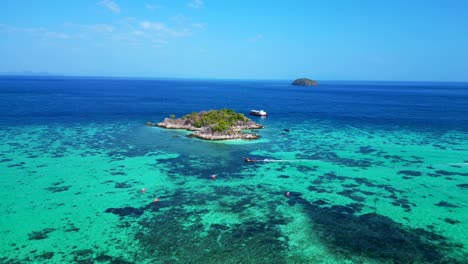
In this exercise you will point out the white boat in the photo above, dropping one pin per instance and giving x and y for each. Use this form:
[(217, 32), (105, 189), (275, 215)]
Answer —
[(258, 112)]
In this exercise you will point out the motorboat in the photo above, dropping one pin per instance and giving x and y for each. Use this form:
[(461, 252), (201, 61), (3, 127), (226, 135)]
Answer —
[(258, 112)]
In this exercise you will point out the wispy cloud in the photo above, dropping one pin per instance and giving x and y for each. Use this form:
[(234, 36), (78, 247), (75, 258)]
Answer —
[(158, 26), (101, 28), (153, 7), (198, 26), (183, 21), (37, 32), (255, 38), (129, 31), (95, 28), (196, 4), (163, 31), (111, 5), (56, 34)]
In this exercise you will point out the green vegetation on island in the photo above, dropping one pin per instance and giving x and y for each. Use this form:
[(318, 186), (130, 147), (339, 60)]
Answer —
[(304, 82), (213, 124), (218, 120)]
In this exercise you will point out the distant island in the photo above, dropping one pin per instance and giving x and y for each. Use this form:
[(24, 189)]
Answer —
[(220, 124), (304, 82)]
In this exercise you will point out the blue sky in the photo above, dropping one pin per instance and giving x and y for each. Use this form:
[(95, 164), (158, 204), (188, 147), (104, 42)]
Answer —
[(324, 40)]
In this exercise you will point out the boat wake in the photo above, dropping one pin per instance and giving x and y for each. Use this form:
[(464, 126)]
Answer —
[(459, 164), (274, 160)]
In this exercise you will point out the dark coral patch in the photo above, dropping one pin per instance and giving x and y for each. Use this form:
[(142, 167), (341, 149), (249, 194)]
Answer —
[(319, 202), (136, 212), (366, 150), (72, 229), (15, 165), (451, 221), (240, 243), (39, 235), (463, 185), (103, 258), (375, 236), (118, 173), (351, 194), (446, 204), (122, 185), (126, 211), (178, 233), (83, 256), (317, 189), (57, 189), (9, 261), (45, 256), (239, 205), (367, 192), (400, 159), (410, 173), (448, 173), (403, 203)]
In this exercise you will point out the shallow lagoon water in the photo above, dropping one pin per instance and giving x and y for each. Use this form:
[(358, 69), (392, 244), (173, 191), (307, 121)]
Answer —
[(361, 190)]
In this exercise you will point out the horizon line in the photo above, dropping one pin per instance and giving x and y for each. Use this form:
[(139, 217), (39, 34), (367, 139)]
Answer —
[(214, 78)]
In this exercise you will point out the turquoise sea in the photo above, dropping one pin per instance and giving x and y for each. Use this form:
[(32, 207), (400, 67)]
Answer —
[(377, 172)]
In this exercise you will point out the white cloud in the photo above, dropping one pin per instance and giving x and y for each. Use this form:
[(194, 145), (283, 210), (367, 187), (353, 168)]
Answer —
[(157, 26), (196, 4), (160, 41), (111, 5), (95, 28), (36, 32), (129, 30), (138, 33), (179, 19), (255, 38), (101, 28), (199, 26), (153, 7), (56, 35), (163, 31)]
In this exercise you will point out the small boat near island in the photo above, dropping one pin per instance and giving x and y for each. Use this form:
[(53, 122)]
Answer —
[(258, 113), (246, 159)]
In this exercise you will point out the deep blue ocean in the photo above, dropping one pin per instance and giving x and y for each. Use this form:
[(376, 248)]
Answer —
[(347, 172), (69, 99)]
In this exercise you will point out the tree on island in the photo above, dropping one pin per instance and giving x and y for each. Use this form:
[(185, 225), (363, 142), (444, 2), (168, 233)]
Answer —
[(218, 120)]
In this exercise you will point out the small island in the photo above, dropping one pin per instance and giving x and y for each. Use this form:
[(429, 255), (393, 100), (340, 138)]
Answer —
[(304, 82), (220, 124)]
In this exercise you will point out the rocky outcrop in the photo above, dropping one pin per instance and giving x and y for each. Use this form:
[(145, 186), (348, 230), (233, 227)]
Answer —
[(212, 130), (185, 124), (174, 124), (220, 136), (304, 82)]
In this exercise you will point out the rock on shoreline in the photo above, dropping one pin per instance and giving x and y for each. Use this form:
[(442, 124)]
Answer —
[(210, 136)]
